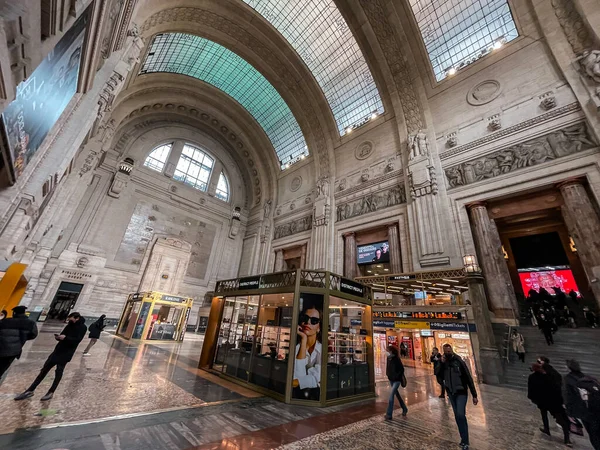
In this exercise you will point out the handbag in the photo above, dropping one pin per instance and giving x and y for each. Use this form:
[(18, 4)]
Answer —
[(575, 426), (403, 381)]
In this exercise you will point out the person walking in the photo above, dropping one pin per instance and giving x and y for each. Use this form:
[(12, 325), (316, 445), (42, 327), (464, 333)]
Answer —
[(14, 332), (587, 410), (543, 392), (68, 340), (395, 373), (518, 344), (95, 330), (590, 317), (458, 382), (547, 326), (436, 359)]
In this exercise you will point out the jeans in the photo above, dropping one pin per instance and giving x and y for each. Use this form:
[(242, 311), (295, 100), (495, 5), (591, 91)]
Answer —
[(48, 365), (395, 394), (440, 381), (459, 406)]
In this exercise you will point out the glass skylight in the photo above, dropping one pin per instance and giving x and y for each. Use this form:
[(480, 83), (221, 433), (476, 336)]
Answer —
[(194, 167), (212, 63), (459, 32), (222, 192), (318, 32)]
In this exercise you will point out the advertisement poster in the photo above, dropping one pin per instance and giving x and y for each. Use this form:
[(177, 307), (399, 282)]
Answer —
[(307, 355), (42, 98), (547, 280), (379, 252)]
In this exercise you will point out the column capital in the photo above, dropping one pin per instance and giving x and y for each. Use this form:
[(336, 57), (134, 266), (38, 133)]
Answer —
[(479, 204), (569, 182), (349, 234)]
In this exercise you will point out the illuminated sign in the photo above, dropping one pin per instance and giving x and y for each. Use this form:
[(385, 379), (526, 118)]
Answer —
[(419, 315), (408, 324)]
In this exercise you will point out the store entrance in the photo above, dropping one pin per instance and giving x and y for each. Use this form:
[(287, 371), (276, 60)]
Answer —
[(64, 301)]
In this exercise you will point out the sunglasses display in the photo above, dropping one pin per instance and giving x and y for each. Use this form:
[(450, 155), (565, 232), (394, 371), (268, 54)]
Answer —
[(304, 318)]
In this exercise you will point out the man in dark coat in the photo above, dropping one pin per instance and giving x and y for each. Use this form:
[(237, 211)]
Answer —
[(436, 359), (14, 332), (68, 340), (95, 330), (577, 407), (546, 395), (457, 382)]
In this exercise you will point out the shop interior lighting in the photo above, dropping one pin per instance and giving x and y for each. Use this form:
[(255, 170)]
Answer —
[(442, 284), (450, 281)]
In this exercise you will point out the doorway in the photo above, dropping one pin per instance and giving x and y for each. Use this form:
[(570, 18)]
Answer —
[(64, 300)]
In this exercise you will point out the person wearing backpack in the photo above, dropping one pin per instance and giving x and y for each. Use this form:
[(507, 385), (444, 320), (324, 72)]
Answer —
[(582, 400), (395, 373)]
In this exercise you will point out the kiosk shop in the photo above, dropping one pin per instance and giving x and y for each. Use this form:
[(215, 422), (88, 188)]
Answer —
[(150, 316), (300, 336)]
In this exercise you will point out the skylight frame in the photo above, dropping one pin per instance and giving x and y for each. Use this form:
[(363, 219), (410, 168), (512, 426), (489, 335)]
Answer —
[(456, 33), (155, 163), (322, 38), (200, 58)]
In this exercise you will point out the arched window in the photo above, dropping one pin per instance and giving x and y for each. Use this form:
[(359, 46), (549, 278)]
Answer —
[(222, 188), (158, 157), (194, 167)]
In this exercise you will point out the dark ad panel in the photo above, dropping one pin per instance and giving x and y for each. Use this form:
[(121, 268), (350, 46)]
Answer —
[(378, 252), (43, 97)]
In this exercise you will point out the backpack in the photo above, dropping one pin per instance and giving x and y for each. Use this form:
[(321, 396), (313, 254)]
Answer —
[(589, 390)]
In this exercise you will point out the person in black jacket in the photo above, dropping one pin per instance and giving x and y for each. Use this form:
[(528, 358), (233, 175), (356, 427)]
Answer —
[(95, 330), (14, 332), (436, 359), (395, 372), (546, 395), (68, 340), (458, 382), (577, 407)]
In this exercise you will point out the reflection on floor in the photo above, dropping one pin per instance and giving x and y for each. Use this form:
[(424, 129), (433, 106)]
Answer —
[(128, 397)]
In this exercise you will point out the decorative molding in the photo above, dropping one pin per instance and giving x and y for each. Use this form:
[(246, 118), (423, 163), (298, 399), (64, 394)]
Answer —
[(208, 119), (397, 62), (122, 31), (208, 19), (558, 144), (296, 183), (494, 122), (395, 195), (572, 107), (364, 150), (574, 27), (547, 101), (484, 92), (340, 193), (293, 227), (452, 139)]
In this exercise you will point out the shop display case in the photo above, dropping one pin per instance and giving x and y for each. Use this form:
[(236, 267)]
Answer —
[(150, 316), (301, 336)]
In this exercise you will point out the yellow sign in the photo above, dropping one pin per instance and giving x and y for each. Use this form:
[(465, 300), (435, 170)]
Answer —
[(409, 324)]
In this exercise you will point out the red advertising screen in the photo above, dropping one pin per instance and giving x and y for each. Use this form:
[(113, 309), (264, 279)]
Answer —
[(548, 279)]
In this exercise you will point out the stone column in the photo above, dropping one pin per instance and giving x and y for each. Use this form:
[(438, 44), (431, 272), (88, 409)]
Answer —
[(303, 257), (502, 300), (350, 269), (490, 362), (395, 250), (279, 261), (584, 227)]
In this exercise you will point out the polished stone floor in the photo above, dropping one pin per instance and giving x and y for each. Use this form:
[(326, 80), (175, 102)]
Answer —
[(151, 396)]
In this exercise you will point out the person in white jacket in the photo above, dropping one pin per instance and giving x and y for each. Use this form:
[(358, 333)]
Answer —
[(307, 365)]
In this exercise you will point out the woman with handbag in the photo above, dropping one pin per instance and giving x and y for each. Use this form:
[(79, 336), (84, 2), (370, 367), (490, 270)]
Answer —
[(395, 373)]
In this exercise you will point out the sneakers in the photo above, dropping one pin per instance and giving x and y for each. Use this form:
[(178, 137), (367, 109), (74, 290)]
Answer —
[(86, 354), (569, 444), (24, 395), (545, 431), (388, 418), (464, 446), (404, 412), (47, 397)]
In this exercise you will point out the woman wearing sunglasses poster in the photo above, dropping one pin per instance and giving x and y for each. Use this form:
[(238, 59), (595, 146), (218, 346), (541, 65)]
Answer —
[(307, 363)]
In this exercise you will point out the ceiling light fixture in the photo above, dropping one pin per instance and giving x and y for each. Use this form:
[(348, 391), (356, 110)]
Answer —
[(497, 45), (451, 71), (348, 130)]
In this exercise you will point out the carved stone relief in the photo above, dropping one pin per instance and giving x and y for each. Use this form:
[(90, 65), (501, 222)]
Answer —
[(533, 152), (547, 101), (590, 64), (293, 227), (295, 184), (364, 150), (452, 140), (574, 27), (484, 92), (418, 146), (494, 122), (393, 196)]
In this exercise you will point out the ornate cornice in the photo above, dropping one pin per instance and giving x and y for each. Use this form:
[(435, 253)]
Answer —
[(571, 107), (121, 34), (396, 60), (209, 19), (394, 175), (208, 119)]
